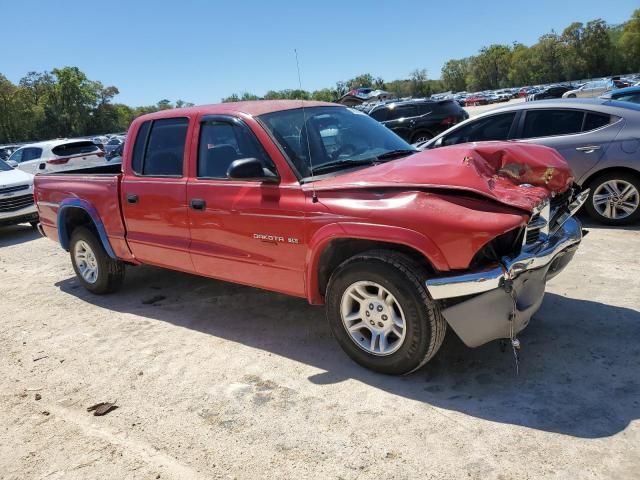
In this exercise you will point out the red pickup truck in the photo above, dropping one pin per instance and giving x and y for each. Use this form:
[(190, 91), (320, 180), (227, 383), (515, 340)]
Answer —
[(322, 202)]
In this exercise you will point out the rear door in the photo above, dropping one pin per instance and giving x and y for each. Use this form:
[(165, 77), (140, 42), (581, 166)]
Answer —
[(243, 231), (580, 136), (401, 119), (153, 194)]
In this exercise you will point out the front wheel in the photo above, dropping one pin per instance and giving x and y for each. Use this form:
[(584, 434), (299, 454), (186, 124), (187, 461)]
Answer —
[(614, 198), (381, 314), (95, 269)]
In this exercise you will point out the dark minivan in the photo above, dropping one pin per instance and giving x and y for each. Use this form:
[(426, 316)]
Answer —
[(418, 120)]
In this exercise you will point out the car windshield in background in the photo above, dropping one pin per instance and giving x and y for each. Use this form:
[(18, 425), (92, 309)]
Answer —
[(332, 139), (4, 167)]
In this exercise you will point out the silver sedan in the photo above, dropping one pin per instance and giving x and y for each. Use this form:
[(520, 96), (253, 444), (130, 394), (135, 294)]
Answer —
[(599, 138)]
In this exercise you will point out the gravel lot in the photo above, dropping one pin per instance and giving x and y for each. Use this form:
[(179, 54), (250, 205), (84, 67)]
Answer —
[(215, 380)]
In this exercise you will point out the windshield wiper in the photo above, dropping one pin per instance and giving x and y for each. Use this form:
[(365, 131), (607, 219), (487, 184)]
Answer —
[(337, 164), (396, 154)]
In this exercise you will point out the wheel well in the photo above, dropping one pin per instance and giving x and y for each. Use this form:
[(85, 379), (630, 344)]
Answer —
[(73, 218), (341, 249), (606, 171)]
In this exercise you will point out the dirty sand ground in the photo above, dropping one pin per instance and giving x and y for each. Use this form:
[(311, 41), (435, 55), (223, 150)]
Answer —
[(215, 380)]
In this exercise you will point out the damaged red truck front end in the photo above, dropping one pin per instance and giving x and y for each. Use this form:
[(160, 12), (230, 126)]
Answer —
[(493, 293)]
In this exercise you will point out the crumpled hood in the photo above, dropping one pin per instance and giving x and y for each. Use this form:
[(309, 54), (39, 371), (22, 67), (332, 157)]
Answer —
[(516, 174)]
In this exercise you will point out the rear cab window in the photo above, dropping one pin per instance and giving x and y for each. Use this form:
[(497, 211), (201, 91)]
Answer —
[(159, 147)]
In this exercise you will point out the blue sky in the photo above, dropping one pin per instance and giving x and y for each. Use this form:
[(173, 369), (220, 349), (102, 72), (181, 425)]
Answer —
[(201, 51)]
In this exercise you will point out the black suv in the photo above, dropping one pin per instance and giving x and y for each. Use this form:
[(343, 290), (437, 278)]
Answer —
[(417, 120)]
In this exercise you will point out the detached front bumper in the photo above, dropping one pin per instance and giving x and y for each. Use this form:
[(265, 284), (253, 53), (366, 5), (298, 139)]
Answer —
[(499, 302)]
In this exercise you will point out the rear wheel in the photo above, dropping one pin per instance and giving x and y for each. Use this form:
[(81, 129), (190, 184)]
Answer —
[(381, 314), (572, 95), (615, 198), (95, 269)]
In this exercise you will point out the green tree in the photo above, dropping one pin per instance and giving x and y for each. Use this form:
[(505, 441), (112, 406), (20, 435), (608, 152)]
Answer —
[(419, 84), (629, 43), (454, 74)]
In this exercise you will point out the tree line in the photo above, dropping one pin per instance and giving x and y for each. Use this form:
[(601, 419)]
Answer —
[(65, 103), (582, 51)]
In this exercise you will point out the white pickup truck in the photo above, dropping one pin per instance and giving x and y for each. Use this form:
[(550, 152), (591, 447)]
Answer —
[(16, 197)]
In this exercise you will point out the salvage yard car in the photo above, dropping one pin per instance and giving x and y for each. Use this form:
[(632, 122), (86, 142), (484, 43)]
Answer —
[(322, 202), (16, 197), (57, 155)]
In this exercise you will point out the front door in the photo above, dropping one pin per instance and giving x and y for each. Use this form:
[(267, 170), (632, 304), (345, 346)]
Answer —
[(248, 232), (153, 195)]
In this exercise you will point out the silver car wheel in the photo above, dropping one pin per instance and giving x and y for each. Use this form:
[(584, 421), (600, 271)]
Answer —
[(616, 199), (373, 318), (86, 261)]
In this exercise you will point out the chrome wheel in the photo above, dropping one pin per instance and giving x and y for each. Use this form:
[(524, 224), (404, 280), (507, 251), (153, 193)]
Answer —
[(86, 261), (616, 199), (373, 318)]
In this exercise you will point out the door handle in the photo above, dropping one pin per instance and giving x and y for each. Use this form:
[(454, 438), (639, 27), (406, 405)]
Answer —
[(588, 148), (198, 204), (132, 198)]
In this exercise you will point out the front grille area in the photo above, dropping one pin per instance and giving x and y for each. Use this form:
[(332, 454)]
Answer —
[(12, 204), (15, 188)]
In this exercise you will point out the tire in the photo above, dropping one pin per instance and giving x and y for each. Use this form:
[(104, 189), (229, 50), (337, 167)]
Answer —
[(421, 137), (403, 279), (573, 95), (109, 273), (616, 182)]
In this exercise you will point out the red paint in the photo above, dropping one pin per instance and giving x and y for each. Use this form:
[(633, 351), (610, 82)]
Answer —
[(445, 204)]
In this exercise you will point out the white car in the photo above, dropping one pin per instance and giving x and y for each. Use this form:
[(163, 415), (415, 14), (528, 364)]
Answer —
[(57, 155), (16, 197), (590, 89)]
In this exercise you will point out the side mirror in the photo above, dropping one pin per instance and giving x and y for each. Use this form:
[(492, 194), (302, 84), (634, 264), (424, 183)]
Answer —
[(249, 169), (12, 163)]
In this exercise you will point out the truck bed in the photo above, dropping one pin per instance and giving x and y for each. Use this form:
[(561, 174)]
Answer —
[(94, 193)]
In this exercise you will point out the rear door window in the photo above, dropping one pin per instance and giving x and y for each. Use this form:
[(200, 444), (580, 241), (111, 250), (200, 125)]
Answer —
[(549, 123), (381, 114), (493, 127), (31, 153), (403, 111), (165, 148), (595, 120), (75, 148)]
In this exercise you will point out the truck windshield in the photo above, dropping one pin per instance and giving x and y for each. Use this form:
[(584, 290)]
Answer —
[(318, 140)]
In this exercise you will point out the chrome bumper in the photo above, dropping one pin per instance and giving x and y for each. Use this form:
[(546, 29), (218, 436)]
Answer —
[(568, 235)]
